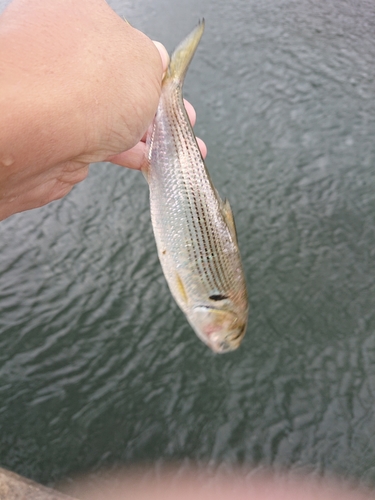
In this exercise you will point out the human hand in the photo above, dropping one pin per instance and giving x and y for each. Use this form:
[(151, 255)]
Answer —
[(134, 157), (77, 85)]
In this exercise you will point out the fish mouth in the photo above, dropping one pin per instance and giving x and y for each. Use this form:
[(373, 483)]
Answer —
[(222, 347), (230, 343), (221, 330)]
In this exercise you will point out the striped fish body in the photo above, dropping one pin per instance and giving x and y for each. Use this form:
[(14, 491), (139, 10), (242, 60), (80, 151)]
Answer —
[(194, 229)]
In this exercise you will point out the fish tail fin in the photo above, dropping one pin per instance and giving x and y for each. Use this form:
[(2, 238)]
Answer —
[(183, 55)]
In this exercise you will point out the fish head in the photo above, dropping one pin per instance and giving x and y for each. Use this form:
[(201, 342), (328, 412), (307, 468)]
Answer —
[(222, 330)]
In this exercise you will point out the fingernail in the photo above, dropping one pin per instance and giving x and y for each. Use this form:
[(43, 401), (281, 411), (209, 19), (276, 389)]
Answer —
[(163, 54)]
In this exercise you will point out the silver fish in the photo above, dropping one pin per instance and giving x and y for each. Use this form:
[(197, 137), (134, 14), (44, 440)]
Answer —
[(194, 229)]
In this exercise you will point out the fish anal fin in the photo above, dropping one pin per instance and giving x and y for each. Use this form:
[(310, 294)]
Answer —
[(226, 210)]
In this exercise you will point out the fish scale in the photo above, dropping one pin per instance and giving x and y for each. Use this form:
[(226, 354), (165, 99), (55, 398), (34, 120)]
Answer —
[(193, 228)]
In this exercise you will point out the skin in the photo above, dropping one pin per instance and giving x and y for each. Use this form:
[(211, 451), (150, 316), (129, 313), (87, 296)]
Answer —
[(77, 85), (201, 485)]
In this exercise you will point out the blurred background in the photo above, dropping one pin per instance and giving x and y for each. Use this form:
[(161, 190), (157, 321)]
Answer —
[(98, 366)]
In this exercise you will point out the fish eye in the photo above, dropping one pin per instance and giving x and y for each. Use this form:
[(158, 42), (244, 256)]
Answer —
[(217, 296)]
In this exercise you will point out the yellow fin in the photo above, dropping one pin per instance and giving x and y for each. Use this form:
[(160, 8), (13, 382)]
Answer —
[(181, 289), (183, 54), (226, 210)]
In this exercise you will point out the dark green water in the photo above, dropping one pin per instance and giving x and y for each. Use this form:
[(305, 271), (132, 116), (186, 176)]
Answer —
[(97, 364)]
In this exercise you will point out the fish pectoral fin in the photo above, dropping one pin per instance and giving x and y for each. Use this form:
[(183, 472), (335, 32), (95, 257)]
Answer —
[(226, 210), (181, 289)]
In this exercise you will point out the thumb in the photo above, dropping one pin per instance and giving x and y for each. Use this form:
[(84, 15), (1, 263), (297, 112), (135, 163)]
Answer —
[(163, 54)]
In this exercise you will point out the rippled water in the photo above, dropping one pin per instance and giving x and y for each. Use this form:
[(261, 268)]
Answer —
[(98, 365)]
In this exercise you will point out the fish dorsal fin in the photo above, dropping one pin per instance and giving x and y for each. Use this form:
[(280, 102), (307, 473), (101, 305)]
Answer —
[(226, 210)]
